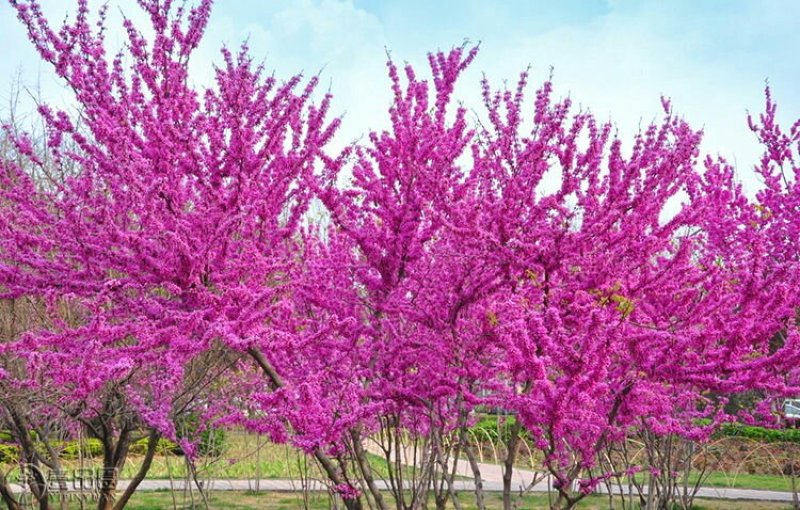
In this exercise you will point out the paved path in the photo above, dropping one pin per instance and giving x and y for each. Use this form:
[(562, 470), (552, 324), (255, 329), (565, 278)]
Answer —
[(492, 478)]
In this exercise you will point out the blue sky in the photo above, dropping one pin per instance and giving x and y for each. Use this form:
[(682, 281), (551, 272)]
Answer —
[(615, 57)]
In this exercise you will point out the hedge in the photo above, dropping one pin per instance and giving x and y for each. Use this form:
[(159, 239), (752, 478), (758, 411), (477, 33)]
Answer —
[(759, 433)]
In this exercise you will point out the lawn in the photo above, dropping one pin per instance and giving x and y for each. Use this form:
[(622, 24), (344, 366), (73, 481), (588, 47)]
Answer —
[(285, 501), (744, 481), (245, 456), (747, 481)]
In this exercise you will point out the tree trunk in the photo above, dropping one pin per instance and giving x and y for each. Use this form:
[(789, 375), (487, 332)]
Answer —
[(565, 503), (508, 464), (37, 482), (39, 489), (152, 445), (8, 496), (114, 456), (353, 504), (476, 473), (325, 462), (366, 469)]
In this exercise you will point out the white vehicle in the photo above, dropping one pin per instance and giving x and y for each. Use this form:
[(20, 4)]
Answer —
[(791, 411)]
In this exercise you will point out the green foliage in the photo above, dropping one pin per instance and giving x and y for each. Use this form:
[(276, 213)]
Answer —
[(7, 436), (67, 450), (164, 446), (744, 401), (74, 449), (9, 453), (211, 441), (760, 433), (494, 428)]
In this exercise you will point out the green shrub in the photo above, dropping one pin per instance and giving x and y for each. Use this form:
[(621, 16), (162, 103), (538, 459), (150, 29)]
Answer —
[(211, 442), (9, 453), (495, 428), (760, 433), (6, 436), (164, 446), (73, 449)]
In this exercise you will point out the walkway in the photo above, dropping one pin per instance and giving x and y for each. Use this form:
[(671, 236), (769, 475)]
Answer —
[(492, 478)]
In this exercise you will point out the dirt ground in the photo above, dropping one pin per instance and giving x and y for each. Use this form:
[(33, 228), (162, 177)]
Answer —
[(736, 455)]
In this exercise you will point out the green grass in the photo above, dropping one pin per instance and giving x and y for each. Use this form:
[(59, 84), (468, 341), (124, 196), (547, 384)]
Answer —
[(286, 501), (738, 481), (246, 456), (748, 481)]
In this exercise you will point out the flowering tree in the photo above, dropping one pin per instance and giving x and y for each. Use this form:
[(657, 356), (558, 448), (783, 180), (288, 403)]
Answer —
[(175, 233), (415, 285), (624, 307), (166, 223)]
